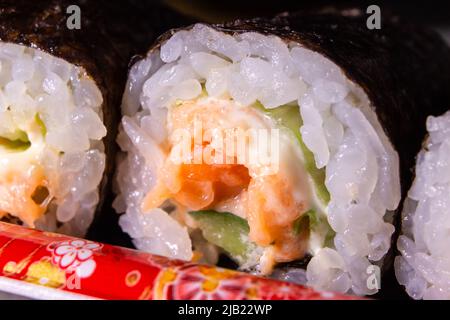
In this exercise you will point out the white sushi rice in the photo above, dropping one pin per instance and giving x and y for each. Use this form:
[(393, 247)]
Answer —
[(424, 265), (71, 154), (340, 128)]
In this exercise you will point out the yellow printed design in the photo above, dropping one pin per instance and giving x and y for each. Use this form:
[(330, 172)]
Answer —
[(45, 273)]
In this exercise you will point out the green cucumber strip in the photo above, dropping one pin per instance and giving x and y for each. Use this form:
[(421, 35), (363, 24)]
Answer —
[(310, 217), (226, 231), (204, 91), (289, 117), (315, 223), (17, 134), (18, 141), (41, 124)]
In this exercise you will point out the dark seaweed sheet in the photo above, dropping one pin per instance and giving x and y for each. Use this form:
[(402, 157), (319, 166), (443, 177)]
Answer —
[(111, 33), (404, 69)]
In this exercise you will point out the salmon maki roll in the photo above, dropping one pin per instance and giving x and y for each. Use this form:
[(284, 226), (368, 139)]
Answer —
[(275, 140)]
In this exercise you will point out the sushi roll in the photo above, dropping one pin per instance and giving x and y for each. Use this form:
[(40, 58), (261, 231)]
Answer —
[(424, 264), (346, 106), (60, 92)]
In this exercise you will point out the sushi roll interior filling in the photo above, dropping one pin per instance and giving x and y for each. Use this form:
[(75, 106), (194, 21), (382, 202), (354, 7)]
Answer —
[(337, 173), (51, 149), (424, 265)]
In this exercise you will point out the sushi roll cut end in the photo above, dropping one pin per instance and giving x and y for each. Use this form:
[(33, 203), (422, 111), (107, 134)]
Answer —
[(423, 266), (325, 193), (51, 149)]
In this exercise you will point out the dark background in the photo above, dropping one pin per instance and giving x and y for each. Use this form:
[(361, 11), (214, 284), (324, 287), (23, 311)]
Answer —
[(432, 13)]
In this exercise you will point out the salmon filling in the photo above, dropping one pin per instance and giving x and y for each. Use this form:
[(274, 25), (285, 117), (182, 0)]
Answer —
[(25, 190), (24, 194), (268, 202)]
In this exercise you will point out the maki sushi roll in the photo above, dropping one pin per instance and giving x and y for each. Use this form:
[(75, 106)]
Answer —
[(346, 107), (51, 132), (60, 92), (424, 264), (52, 121)]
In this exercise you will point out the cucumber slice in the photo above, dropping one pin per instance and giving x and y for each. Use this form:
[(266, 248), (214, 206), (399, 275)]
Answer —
[(41, 124), (308, 219), (226, 231), (289, 117), (17, 141), (316, 223)]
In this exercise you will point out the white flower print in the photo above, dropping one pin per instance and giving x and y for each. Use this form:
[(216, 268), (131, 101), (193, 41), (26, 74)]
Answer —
[(75, 256)]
